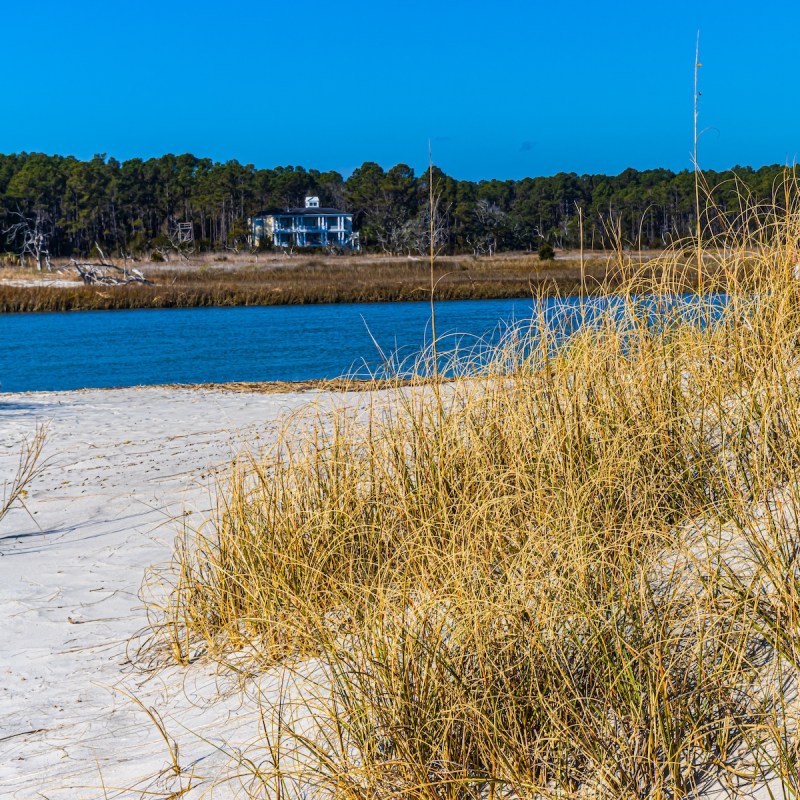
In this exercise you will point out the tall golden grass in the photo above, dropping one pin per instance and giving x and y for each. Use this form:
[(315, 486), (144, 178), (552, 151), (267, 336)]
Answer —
[(572, 572)]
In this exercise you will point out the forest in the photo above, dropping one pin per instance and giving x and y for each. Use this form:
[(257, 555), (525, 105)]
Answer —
[(69, 206)]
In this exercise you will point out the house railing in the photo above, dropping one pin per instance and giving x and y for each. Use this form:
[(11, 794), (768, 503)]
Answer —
[(308, 229)]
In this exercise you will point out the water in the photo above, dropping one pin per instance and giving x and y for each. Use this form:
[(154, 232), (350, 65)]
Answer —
[(84, 349), (88, 349)]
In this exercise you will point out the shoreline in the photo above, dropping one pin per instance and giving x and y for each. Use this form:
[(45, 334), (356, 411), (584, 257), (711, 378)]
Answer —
[(21, 300), (337, 385)]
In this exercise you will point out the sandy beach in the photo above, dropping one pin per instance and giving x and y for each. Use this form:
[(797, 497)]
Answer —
[(82, 716), (122, 468)]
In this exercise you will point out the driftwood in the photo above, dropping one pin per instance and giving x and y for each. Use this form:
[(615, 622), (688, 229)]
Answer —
[(97, 274)]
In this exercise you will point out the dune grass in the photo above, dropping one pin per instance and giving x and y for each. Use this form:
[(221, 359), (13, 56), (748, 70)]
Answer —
[(572, 572)]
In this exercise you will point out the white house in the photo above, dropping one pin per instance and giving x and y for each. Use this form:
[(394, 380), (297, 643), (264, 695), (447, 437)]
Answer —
[(311, 226)]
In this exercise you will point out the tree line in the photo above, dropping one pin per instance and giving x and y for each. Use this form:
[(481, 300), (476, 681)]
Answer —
[(69, 206)]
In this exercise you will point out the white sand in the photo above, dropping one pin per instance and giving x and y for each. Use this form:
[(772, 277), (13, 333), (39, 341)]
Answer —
[(122, 464), (59, 283)]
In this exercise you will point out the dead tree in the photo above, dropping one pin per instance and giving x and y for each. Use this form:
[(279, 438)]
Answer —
[(180, 241), (30, 238)]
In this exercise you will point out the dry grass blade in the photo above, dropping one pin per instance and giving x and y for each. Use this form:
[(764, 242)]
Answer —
[(30, 467)]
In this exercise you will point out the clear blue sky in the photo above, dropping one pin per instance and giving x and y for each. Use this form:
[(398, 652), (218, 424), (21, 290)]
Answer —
[(503, 89)]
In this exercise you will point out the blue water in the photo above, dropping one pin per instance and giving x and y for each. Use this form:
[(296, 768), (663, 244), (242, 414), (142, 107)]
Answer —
[(75, 350), (89, 349)]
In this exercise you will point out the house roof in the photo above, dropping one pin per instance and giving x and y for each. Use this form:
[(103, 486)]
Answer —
[(311, 212), (304, 212)]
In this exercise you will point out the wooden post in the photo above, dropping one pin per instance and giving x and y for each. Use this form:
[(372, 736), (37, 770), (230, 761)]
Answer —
[(697, 66)]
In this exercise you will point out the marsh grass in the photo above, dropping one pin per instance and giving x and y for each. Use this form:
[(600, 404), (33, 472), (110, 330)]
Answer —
[(303, 280), (574, 571)]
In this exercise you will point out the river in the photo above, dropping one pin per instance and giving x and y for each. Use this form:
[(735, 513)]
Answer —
[(92, 349)]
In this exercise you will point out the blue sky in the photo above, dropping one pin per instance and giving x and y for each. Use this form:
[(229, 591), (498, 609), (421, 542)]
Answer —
[(504, 89)]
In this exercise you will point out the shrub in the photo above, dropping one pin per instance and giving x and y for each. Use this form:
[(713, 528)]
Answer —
[(546, 252)]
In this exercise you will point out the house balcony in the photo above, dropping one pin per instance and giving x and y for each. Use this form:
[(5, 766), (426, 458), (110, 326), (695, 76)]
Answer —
[(309, 229)]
